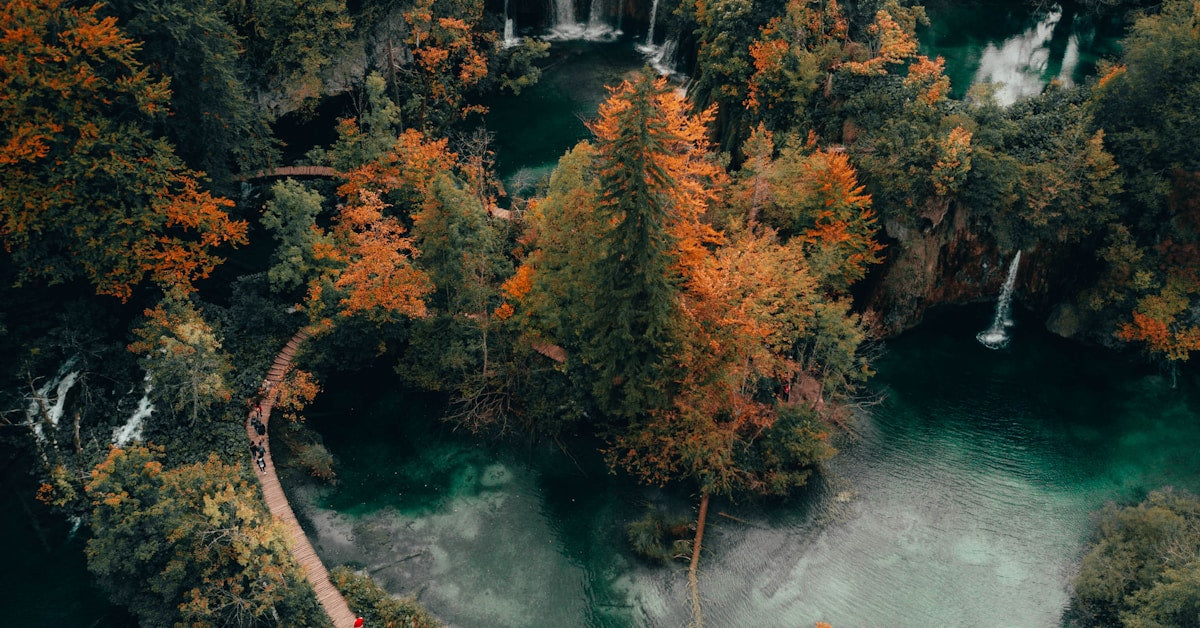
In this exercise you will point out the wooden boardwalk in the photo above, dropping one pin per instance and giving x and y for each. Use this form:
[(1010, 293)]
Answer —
[(314, 570), (291, 171)]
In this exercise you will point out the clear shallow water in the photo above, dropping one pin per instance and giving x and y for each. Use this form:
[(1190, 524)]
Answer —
[(534, 129), (962, 500), (1008, 43)]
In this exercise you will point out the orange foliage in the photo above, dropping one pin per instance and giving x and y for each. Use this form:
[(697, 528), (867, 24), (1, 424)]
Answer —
[(1112, 73), (409, 167), (846, 221), (889, 42), (379, 279), (504, 312), (1155, 323), (117, 204), (768, 55), (930, 77), (686, 162), (298, 389), (448, 53), (743, 307), (802, 36), (519, 285), (954, 161)]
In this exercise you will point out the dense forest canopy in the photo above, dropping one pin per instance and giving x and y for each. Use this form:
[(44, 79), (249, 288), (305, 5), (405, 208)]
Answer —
[(700, 285)]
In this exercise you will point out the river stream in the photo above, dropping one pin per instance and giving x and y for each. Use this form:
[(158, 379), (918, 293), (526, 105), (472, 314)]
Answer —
[(962, 499)]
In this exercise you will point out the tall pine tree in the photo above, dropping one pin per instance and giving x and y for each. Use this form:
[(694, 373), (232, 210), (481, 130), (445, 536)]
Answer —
[(630, 337)]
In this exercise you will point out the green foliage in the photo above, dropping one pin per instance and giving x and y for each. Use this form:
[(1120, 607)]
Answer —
[(631, 331), (291, 217), (517, 65), (183, 357), (376, 606), (725, 31), (1149, 106), (788, 451), (1143, 569), (216, 125), (459, 248), (86, 189), (661, 539), (561, 295), (367, 138), (289, 45), (316, 460), (192, 545)]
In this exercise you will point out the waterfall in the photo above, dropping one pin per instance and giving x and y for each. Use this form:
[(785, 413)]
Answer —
[(650, 32), (1018, 63), (566, 28), (996, 336), (564, 12), (597, 27), (564, 17), (510, 38)]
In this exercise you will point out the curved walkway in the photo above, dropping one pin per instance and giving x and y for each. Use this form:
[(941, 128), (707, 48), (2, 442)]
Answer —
[(314, 570)]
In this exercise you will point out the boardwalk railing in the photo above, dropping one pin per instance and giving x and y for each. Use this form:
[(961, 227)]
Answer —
[(314, 570), (290, 171)]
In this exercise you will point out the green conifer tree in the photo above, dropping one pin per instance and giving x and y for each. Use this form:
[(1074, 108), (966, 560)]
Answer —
[(631, 333)]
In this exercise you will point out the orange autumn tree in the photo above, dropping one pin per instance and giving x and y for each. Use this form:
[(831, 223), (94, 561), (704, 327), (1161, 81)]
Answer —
[(449, 50), (85, 190), (731, 310), (656, 179), (793, 55), (813, 197), (1161, 321), (890, 40), (742, 311), (366, 256)]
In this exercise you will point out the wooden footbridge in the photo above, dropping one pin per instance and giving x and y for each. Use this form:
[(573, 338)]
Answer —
[(314, 571)]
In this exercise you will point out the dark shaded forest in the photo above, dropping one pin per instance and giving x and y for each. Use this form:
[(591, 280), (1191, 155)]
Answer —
[(701, 286)]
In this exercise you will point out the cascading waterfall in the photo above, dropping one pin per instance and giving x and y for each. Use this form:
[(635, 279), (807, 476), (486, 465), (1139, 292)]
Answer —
[(596, 28), (510, 27), (510, 38), (996, 336), (564, 16), (661, 58), (650, 31)]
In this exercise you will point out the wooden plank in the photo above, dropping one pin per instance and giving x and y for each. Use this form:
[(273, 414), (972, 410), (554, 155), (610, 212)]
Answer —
[(290, 171), (301, 549), (554, 352)]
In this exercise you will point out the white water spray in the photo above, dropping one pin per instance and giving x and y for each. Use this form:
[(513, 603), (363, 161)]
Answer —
[(566, 28), (132, 429), (1018, 64), (510, 26), (650, 32), (510, 38), (996, 336), (45, 407)]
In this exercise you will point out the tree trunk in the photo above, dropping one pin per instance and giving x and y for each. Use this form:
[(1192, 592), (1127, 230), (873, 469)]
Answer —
[(693, 582)]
